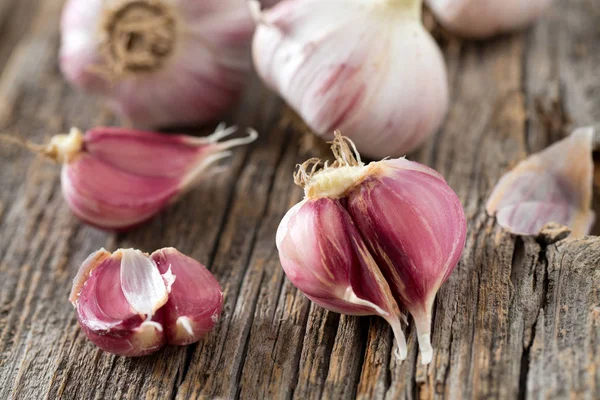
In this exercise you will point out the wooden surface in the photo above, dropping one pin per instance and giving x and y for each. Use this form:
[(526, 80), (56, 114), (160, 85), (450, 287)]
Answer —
[(519, 318)]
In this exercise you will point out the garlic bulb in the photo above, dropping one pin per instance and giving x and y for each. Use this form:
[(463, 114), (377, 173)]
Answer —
[(366, 67), (367, 238), (130, 303), (160, 62), (485, 18)]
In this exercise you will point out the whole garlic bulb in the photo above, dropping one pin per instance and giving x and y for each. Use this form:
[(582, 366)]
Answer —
[(366, 67), (160, 61), (485, 18)]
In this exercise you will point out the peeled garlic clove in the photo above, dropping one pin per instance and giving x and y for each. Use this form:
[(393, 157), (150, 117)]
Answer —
[(324, 256), (369, 69), (485, 18), (116, 298), (129, 303), (159, 62), (415, 228), (554, 185), (195, 299), (116, 178)]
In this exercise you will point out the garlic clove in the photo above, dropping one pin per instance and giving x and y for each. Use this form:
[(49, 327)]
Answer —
[(415, 229), (336, 64), (195, 299), (324, 256), (554, 185), (485, 18), (105, 313), (116, 178), (109, 198)]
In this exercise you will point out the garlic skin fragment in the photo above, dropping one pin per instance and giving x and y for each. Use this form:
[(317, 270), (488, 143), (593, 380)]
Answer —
[(396, 223), (324, 256), (159, 62), (119, 178), (366, 67), (125, 307), (554, 185), (485, 18)]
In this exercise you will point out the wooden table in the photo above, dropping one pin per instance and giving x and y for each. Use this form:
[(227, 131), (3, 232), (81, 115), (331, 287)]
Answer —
[(519, 317)]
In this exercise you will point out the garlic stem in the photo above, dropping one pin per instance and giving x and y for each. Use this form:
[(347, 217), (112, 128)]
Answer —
[(423, 325), (411, 8)]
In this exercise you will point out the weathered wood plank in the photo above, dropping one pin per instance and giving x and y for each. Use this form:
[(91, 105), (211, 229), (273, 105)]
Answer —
[(519, 318)]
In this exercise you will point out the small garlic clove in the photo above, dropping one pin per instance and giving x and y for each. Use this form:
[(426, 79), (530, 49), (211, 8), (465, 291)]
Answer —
[(195, 299), (119, 178), (324, 256), (554, 185), (415, 228), (104, 312)]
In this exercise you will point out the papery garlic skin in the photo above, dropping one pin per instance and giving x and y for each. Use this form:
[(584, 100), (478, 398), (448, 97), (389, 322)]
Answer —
[(368, 68), (408, 230), (115, 178), (485, 18), (128, 306), (195, 71), (553, 185)]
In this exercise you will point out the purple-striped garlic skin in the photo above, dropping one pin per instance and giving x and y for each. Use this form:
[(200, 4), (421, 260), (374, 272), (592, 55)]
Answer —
[(115, 178), (368, 68), (391, 231), (188, 62), (324, 256), (554, 185), (415, 228), (130, 304), (484, 18)]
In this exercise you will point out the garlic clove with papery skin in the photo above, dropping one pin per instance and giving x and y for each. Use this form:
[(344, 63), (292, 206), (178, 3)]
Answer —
[(115, 178), (407, 225), (554, 185), (415, 229), (485, 18), (195, 299), (368, 68), (131, 304), (159, 62), (324, 256)]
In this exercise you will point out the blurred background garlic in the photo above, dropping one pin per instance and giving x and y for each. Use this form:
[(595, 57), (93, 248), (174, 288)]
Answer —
[(485, 18), (161, 62), (366, 67)]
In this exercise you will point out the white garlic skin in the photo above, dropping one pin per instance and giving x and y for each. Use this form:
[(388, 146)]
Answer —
[(368, 68), (485, 18)]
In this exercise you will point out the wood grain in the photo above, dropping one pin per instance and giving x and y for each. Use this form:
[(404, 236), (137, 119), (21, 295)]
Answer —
[(519, 317)]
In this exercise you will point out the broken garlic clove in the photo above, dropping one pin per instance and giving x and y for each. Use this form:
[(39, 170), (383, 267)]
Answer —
[(105, 311), (325, 257), (554, 185), (195, 299)]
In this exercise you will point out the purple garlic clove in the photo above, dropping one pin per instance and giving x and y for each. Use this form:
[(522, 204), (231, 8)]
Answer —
[(131, 305)]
